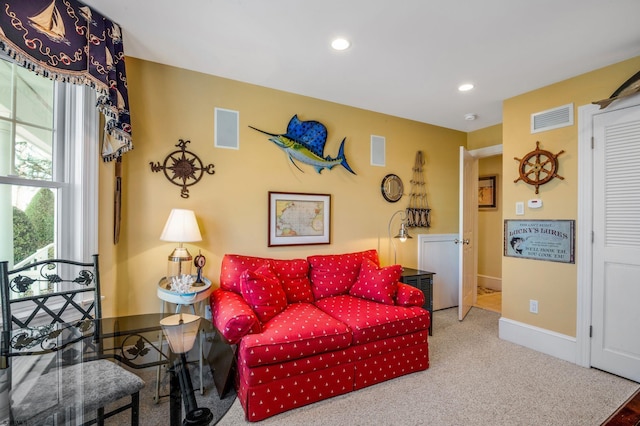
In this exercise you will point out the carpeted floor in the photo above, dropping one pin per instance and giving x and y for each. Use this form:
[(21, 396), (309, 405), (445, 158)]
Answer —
[(474, 379)]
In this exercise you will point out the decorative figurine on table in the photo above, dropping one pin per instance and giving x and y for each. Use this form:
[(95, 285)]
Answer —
[(199, 262), (181, 284)]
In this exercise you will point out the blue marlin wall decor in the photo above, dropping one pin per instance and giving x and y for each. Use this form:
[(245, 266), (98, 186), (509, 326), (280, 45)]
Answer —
[(304, 141)]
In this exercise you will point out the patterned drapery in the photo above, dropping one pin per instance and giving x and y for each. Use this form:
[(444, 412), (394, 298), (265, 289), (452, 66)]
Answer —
[(66, 40)]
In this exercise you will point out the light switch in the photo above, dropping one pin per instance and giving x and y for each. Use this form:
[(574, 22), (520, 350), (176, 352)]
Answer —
[(520, 208)]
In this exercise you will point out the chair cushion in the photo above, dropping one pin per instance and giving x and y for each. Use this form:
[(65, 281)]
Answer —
[(377, 284), (261, 289), (370, 321), (50, 393), (332, 275), (299, 331)]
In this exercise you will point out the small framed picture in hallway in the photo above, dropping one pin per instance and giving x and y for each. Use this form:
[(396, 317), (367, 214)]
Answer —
[(487, 192)]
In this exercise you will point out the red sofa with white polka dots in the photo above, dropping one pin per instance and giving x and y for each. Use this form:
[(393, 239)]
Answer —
[(310, 329)]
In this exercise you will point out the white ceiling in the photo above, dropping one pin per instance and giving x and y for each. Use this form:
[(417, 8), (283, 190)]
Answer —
[(407, 57)]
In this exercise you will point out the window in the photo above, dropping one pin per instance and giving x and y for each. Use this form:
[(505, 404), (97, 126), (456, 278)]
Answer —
[(48, 168)]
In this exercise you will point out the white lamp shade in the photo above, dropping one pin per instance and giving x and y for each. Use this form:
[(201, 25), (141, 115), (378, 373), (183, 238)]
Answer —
[(181, 331), (181, 227)]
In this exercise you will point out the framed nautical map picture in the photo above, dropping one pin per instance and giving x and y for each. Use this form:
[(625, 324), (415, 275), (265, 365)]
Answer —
[(299, 219)]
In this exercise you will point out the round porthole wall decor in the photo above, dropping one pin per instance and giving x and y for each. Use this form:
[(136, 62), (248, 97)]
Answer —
[(392, 188)]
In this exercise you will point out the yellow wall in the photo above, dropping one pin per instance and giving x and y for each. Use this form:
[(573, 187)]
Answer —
[(169, 103), (554, 285), (483, 138)]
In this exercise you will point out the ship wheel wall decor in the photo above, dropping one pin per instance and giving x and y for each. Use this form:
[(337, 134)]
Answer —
[(182, 168), (538, 167)]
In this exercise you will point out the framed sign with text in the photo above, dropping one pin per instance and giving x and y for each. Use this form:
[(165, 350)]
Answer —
[(550, 240)]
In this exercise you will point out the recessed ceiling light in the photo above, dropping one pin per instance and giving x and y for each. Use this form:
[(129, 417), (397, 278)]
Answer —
[(340, 44), (470, 117), (465, 87)]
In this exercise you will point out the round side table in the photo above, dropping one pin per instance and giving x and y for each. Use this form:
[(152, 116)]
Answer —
[(190, 299), (195, 296)]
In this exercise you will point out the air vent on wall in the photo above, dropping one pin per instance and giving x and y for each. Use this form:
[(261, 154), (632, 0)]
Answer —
[(552, 119)]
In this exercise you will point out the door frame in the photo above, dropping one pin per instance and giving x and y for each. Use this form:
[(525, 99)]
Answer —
[(477, 154), (584, 247)]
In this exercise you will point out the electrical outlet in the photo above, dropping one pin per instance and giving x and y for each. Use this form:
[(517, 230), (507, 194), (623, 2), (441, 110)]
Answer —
[(533, 306)]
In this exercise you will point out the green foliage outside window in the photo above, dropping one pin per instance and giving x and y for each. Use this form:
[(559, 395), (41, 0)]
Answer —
[(24, 236), (41, 214)]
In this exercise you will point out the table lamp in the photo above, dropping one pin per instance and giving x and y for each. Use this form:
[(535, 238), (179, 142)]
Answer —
[(181, 331), (181, 227), (402, 235)]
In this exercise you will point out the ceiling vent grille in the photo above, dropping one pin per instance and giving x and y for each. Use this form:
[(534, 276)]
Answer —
[(552, 119)]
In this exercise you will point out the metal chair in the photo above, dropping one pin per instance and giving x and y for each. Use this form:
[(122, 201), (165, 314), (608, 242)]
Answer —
[(44, 311)]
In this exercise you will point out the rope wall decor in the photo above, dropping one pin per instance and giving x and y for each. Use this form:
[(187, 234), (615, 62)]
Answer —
[(418, 212)]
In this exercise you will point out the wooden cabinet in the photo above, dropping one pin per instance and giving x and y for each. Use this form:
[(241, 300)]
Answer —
[(422, 280)]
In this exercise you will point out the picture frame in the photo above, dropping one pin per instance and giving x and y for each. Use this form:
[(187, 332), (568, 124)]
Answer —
[(299, 219), (487, 192)]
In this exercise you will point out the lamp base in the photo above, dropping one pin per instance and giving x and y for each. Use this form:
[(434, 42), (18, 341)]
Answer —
[(198, 417)]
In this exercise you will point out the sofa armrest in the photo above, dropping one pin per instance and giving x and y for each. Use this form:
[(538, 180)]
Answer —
[(409, 296), (232, 316)]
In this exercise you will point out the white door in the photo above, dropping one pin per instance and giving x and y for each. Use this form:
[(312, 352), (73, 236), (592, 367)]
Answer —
[(466, 241), (438, 253), (615, 343)]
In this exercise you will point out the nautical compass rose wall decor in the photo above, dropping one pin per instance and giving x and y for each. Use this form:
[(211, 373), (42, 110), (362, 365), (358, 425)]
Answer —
[(538, 167), (182, 168)]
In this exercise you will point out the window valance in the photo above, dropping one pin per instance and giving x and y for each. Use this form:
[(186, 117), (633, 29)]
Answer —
[(67, 40)]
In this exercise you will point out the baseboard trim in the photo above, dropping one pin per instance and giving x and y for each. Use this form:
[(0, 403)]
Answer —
[(486, 281), (536, 338)]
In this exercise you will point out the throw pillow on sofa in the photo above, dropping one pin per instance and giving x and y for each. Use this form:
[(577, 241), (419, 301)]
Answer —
[(294, 276), (333, 275), (377, 284), (261, 289), (233, 265)]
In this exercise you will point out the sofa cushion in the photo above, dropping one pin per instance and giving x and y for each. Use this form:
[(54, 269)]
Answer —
[(294, 276), (299, 331), (375, 283), (370, 321), (233, 265), (232, 316), (261, 289), (332, 275)]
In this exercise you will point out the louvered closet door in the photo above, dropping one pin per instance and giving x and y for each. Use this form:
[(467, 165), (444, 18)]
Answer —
[(615, 345)]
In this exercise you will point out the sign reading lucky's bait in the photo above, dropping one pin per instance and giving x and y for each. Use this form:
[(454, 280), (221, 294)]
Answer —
[(551, 240)]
